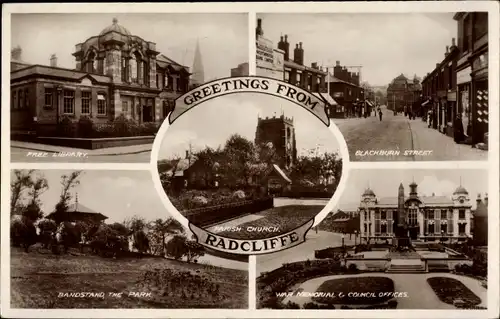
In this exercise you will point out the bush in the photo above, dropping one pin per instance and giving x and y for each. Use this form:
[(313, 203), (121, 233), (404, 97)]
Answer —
[(65, 127), (353, 268), (85, 127), (291, 305)]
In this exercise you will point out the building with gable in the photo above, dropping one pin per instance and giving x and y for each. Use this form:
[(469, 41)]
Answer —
[(415, 216), (404, 94), (116, 73)]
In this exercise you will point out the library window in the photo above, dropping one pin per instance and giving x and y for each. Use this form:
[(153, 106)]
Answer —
[(69, 102), (49, 98), (86, 97), (101, 104)]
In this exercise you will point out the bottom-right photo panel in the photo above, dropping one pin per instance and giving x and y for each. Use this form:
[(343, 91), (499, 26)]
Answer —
[(397, 239)]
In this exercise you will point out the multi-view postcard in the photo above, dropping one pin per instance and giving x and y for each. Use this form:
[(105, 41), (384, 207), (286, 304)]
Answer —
[(250, 160)]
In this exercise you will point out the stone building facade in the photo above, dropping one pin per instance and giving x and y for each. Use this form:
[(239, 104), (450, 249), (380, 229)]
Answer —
[(280, 132), (421, 217), (116, 73), (403, 93)]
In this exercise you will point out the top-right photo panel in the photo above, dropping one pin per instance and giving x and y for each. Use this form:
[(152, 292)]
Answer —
[(400, 87)]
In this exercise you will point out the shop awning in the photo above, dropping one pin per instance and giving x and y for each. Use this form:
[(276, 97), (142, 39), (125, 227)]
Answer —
[(326, 97), (369, 103), (425, 103)]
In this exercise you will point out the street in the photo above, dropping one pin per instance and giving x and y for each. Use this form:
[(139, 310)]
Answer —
[(304, 251), (397, 135)]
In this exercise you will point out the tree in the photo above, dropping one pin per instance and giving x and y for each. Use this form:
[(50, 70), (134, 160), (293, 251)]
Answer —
[(68, 182), (318, 168), (238, 153), (166, 170), (176, 247), (193, 250), (179, 246), (207, 161), (33, 211), (22, 180), (160, 228)]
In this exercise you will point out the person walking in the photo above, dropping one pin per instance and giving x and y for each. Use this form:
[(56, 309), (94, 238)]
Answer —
[(458, 129), (380, 114)]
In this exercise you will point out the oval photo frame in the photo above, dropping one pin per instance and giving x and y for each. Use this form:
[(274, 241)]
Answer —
[(314, 104)]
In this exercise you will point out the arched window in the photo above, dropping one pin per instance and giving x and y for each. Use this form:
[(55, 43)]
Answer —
[(136, 66), (145, 73), (91, 63), (124, 70)]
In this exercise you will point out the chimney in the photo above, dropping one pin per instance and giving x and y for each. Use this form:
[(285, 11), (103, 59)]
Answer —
[(314, 65), (287, 48), (187, 152), (447, 51), (437, 65), (486, 199), (478, 200), (258, 30), (16, 53), (453, 42), (53, 60), (337, 63)]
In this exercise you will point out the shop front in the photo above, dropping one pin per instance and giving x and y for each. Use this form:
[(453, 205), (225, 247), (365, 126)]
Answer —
[(450, 111), (463, 99), (480, 109)]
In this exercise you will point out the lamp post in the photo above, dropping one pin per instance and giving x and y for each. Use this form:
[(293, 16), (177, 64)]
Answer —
[(343, 241), (355, 238)]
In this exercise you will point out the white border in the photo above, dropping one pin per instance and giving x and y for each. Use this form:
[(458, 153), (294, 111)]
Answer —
[(298, 7), (163, 131)]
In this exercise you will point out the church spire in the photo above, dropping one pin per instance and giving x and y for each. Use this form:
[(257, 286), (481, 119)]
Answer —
[(198, 76)]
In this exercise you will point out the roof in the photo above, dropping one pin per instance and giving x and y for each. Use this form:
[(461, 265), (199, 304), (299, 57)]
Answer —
[(426, 200), (81, 210), (368, 192), (58, 73), (326, 97), (461, 190), (281, 173), (115, 27), (333, 79)]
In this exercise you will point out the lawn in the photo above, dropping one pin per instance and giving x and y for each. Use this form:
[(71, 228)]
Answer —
[(286, 218), (371, 285), (37, 279), (449, 290)]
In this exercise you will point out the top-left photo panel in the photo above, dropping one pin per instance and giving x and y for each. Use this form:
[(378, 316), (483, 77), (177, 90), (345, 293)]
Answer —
[(95, 88)]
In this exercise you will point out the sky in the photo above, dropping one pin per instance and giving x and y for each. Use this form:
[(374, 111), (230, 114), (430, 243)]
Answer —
[(386, 45), (223, 37), (117, 194), (214, 121), (385, 183)]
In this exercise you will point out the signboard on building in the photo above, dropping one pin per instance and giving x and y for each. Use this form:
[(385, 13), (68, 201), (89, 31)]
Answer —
[(265, 54), (463, 76)]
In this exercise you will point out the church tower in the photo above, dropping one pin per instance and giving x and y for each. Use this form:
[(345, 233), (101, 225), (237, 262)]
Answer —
[(280, 132), (198, 76)]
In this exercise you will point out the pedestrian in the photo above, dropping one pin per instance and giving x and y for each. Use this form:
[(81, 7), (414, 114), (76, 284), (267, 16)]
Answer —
[(429, 118), (380, 114), (458, 129)]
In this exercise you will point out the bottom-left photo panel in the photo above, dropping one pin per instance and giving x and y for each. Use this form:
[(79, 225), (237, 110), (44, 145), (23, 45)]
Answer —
[(103, 239)]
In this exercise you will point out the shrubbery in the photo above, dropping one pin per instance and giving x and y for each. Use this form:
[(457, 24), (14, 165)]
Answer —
[(190, 199), (119, 127)]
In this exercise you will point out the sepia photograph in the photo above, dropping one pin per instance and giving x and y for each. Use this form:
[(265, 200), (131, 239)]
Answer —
[(96, 87), (414, 239), (401, 86), (249, 166), (70, 248)]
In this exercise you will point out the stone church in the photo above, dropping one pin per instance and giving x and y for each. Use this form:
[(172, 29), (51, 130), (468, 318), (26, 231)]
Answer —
[(116, 73)]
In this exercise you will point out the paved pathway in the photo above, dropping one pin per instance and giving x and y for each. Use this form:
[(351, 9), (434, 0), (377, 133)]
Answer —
[(400, 133), (420, 294)]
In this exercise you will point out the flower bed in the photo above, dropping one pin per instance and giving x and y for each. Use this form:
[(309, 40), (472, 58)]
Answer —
[(449, 290), (193, 199), (373, 288)]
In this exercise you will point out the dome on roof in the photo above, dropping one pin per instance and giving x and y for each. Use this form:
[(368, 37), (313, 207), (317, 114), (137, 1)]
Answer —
[(460, 190), (116, 28), (368, 192)]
